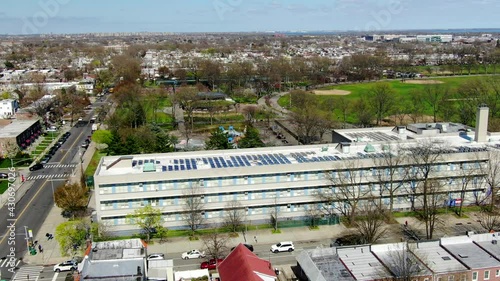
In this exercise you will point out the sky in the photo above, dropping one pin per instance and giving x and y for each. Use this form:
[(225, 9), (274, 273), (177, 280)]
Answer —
[(89, 16)]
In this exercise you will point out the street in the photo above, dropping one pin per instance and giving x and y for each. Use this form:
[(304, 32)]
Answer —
[(32, 209)]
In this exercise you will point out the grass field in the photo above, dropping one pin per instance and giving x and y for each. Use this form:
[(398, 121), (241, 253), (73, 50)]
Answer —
[(358, 90), (4, 184)]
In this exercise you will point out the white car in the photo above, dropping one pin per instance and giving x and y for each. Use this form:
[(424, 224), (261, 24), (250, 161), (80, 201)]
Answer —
[(156, 257), (193, 254), (286, 246), (66, 266)]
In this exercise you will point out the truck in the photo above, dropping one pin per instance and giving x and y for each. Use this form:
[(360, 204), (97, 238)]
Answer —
[(94, 127)]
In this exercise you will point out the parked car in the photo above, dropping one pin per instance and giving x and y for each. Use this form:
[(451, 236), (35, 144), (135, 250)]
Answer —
[(156, 257), (250, 247), (211, 264), (4, 175), (45, 159), (193, 254), (37, 166), (66, 266), (286, 246), (67, 134), (85, 144)]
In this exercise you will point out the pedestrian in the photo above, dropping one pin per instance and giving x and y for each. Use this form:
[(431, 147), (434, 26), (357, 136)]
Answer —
[(255, 238), (406, 223), (40, 249)]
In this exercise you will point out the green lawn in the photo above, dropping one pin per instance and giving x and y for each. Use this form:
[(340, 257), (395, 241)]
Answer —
[(358, 90), (94, 163), (4, 184)]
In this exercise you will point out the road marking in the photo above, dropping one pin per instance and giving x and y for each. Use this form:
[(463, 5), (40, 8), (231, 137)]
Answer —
[(36, 194), (28, 273), (55, 276), (5, 263), (51, 176)]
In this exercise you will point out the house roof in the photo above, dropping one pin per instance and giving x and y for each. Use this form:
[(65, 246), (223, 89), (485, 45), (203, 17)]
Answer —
[(241, 264)]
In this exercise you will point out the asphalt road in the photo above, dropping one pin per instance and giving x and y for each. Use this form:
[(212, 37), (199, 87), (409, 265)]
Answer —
[(33, 208)]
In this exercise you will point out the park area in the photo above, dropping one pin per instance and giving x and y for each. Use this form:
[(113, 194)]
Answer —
[(329, 97)]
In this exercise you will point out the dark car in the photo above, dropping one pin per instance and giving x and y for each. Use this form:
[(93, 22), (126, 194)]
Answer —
[(67, 134), (347, 240), (45, 159), (37, 166), (250, 247)]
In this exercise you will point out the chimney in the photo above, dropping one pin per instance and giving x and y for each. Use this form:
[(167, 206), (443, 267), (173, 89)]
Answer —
[(481, 123), (345, 147)]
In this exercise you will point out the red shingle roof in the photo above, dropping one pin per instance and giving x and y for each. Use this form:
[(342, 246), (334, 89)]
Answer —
[(241, 264)]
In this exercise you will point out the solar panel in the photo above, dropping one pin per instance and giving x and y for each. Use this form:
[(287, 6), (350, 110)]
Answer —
[(134, 163), (164, 168), (176, 168), (170, 168)]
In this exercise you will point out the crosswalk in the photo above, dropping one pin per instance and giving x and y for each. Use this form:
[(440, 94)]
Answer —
[(7, 263), (46, 166), (28, 273), (50, 176)]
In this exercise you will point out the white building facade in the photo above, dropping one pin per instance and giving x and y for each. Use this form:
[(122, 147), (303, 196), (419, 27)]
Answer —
[(8, 108), (287, 180)]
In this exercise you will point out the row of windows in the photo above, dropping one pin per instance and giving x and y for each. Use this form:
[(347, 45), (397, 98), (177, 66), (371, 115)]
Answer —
[(274, 178), (486, 276), (290, 208), (401, 197)]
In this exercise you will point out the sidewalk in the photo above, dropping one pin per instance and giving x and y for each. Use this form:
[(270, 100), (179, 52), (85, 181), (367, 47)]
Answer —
[(51, 252)]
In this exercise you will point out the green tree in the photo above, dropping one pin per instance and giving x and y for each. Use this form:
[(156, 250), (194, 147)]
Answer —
[(251, 139), (70, 235), (218, 140), (102, 136), (147, 218), (71, 197), (9, 65)]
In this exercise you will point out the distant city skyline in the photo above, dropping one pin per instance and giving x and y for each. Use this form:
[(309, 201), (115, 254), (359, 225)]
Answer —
[(91, 16)]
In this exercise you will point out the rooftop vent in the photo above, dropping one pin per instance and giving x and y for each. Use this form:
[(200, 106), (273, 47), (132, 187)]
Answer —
[(463, 256), (446, 258)]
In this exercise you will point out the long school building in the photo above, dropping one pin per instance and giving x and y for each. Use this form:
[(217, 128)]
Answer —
[(287, 180)]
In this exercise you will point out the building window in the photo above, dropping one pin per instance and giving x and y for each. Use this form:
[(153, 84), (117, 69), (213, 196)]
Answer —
[(451, 278), (474, 276), (497, 273), (487, 275)]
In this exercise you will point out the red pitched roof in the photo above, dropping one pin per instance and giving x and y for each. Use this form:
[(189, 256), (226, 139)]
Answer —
[(241, 264)]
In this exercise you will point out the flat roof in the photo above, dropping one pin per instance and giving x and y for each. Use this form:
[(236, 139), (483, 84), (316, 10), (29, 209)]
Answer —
[(393, 256), (437, 258), (323, 264), (362, 264), (277, 158), (15, 128), (470, 254), (489, 242)]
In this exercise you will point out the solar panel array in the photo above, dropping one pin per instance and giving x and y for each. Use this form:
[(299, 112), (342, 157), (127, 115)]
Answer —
[(375, 136), (471, 149), (310, 156), (269, 159)]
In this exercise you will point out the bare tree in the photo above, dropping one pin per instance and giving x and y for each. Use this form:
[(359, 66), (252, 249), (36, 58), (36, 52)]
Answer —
[(490, 220), (193, 207), (275, 213), (403, 264), (370, 223), (492, 172), (469, 177), (305, 115), (348, 188), (381, 97), (389, 175), (215, 245), (424, 187), (433, 96), (234, 215)]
